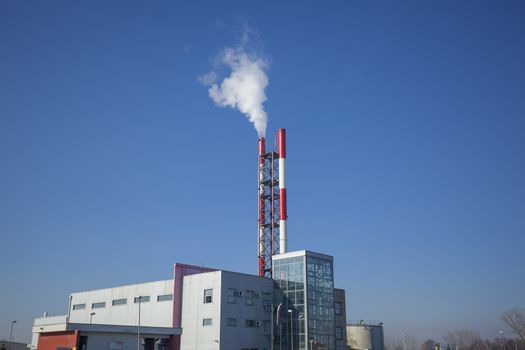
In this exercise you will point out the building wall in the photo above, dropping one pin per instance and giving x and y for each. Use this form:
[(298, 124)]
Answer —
[(47, 324), (340, 320), (194, 334), (226, 304), (256, 307), (102, 341), (51, 341), (179, 271), (6, 345), (153, 313)]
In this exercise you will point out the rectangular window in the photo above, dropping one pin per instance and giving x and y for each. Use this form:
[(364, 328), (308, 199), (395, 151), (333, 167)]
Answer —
[(338, 308), (267, 299), (249, 297), (79, 306), (267, 325), (339, 333), (232, 296), (98, 305), (165, 297), (232, 322), (249, 323), (208, 296), (142, 299), (119, 302), (206, 322)]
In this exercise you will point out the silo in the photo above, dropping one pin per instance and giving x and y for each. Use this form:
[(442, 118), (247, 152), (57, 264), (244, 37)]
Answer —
[(365, 336)]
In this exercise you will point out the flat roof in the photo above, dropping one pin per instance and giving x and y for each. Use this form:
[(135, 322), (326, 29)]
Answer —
[(109, 328), (298, 253), (228, 272)]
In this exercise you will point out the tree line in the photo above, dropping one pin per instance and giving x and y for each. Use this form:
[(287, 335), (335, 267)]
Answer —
[(465, 339)]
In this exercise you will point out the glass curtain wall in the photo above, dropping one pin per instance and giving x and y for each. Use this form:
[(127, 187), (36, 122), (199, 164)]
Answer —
[(304, 302), (289, 275), (320, 302)]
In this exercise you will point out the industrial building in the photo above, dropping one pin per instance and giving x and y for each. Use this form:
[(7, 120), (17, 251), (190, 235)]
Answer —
[(290, 304), (202, 308), (10, 345)]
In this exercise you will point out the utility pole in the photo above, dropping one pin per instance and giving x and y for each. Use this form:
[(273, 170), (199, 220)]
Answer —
[(11, 333), (138, 327)]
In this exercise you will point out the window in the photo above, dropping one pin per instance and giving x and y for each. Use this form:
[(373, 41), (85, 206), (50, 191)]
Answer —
[(338, 308), (232, 322), (79, 306), (249, 297), (119, 302), (250, 323), (206, 322), (98, 305), (208, 294), (143, 299), (232, 296), (267, 325), (267, 299), (165, 297), (339, 333)]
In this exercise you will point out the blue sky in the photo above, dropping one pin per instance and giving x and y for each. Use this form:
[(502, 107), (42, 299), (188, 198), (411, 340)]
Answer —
[(406, 153)]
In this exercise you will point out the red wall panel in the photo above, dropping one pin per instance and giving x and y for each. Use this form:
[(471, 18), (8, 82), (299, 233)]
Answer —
[(51, 341)]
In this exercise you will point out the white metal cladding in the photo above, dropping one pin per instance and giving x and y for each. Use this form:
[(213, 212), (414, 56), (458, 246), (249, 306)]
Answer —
[(153, 313), (235, 296)]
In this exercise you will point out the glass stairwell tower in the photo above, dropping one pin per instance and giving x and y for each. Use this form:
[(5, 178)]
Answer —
[(304, 317)]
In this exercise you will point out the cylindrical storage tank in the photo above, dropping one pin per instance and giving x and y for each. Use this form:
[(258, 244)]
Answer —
[(362, 336)]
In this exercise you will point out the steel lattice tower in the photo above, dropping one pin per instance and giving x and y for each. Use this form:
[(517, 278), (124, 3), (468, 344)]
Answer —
[(272, 204)]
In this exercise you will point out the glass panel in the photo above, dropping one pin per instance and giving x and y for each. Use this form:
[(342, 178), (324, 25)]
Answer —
[(98, 305), (208, 295), (165, 297), (321, 320), (142, 299), (79, 306)]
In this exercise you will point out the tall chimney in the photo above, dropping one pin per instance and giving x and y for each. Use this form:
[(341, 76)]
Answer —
[(262, 243), (281, 148)]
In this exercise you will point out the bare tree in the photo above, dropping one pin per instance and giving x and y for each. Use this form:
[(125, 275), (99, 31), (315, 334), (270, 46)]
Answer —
[(463, 338), (515, 319), (428, 345), (393, 343), (406, 342)]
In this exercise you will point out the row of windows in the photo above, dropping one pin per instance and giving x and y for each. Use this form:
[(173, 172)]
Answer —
[(234, 294), (114, 302), (232, 322)]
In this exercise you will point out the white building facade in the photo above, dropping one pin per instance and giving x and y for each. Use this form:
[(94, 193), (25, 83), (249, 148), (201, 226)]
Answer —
[(226, 310), (112, 318), (206, 309), (120, 305)]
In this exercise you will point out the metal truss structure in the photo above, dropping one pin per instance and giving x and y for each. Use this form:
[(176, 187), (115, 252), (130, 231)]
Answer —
[(269, 211)]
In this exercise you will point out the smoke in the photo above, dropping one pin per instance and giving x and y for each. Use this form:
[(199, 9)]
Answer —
[(243, 89)]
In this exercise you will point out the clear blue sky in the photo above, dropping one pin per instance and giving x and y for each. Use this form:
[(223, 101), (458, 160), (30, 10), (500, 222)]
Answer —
[(406, 151)]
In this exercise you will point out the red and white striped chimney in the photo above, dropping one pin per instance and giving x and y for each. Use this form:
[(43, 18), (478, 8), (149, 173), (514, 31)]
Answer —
[(281, 147)]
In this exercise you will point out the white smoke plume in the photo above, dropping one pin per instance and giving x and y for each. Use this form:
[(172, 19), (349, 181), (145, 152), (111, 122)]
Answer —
[(244, 88)]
